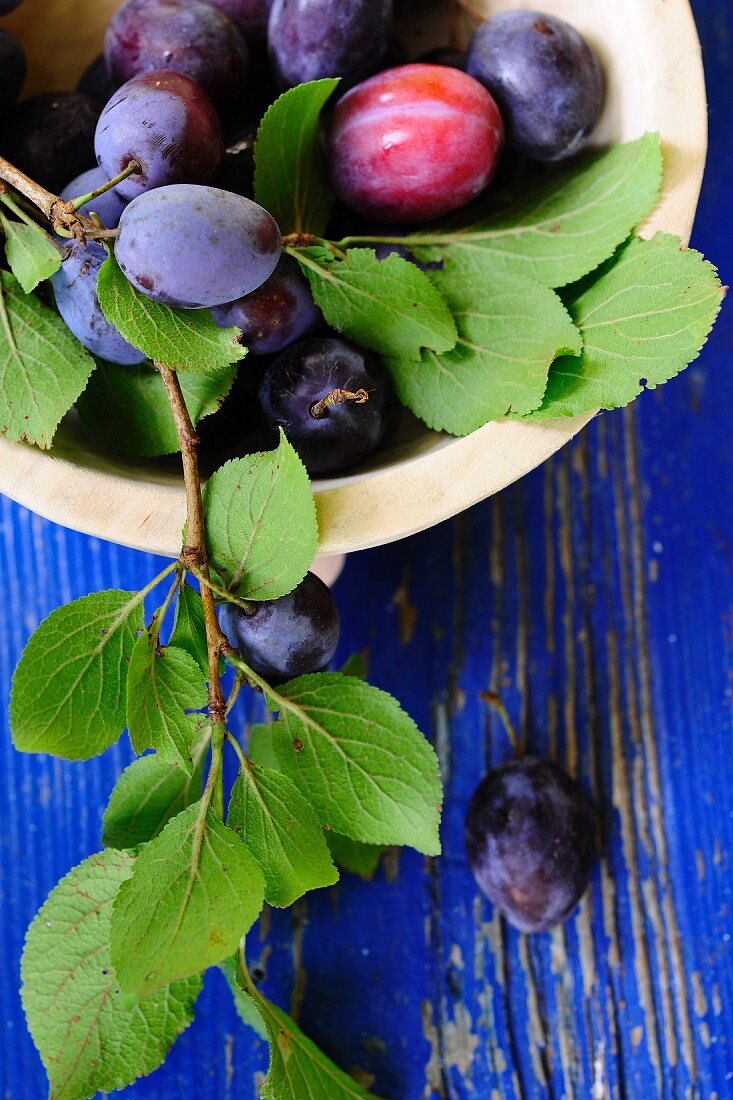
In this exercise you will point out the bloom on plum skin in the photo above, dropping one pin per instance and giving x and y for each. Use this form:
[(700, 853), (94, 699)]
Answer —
[(292, 636), (531, 842), (333, 400), (194, 247), (414, 143), (276, 314), (545, 77), (167, 123)]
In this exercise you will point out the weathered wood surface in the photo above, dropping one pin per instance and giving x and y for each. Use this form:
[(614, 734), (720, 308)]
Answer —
[(598, 595)]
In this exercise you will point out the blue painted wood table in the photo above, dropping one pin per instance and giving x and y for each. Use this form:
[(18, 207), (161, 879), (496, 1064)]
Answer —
[(597, 595)]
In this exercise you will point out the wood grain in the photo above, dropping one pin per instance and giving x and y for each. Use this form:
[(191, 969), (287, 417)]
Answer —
[(597, 594)]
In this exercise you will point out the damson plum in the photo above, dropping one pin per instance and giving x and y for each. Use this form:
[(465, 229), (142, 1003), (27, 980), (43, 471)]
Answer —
[(289, 637), (12, 70), (545, 78), (167, 123), (50, 137), (531, 842), (413, 143), (250, 15), (311, 39), (108, 206), (275, 315), (188, 36), (332, 399), (193, 247), (75, 290)]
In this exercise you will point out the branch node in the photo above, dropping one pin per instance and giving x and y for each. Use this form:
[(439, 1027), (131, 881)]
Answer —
[(191, 557), (217, 712), (299, 240)]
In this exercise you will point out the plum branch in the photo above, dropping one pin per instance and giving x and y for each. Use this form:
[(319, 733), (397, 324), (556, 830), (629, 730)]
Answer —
[(194, 554), (63, 217)]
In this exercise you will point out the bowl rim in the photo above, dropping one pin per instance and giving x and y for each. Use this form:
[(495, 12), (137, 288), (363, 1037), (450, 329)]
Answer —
[(410, 495)]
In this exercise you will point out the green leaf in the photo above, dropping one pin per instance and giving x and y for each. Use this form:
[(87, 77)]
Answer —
[(68, 694), (194, 892), (356, 665), (43, 368), (298, 1069), (89, 1039), (128, 408), (261, 523), (354, 856), (291, 178), (360, 760), (259, 746), (558, 230), (510, 330), (282, 832), (163, 684), (643, 320), (247, 1010), (189, 628), (30, 252), (183, 339), (388, 305), (148, 794)]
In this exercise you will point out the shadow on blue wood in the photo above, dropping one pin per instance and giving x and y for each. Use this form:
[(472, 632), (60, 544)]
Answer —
[(598, 596)]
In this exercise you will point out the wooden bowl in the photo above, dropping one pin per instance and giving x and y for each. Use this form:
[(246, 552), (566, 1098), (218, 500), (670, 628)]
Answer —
[(651, 56)]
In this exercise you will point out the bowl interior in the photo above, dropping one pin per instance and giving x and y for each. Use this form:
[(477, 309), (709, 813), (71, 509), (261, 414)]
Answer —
[(421, 477)]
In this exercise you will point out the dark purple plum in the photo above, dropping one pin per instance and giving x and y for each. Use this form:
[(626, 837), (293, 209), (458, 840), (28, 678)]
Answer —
[(167, 123), (75, 290), (12, 70), (333, 399), (544, 76), (311, 39), (6, 6), (188, 36), (108, 206), (275, 315), (96, 83), (50, 137), (250, 15), (531, 842), (444, 55), (193, 247), (289, 637)]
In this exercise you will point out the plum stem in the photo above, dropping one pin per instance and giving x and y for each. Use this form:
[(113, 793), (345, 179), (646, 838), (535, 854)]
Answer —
[(132, 168), (195, 555), (223, 593), (244, 764), (299, 240), (495, 700), (337, 397)]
